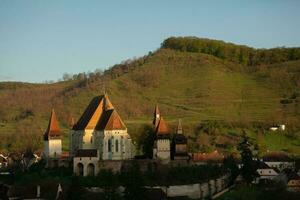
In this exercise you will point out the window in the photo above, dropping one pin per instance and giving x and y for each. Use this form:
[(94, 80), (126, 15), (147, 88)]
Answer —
[(91, 140), (117, 145), (109, 145)]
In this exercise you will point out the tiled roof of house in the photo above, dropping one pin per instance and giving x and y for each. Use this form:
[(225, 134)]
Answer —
[(65, 154), (214, 156), (293, 176), (261, 165), (276, 156), (53, 128), (100, 115), (86, 153)]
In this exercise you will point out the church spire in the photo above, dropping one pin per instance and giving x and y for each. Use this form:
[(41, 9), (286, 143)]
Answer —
[(107, 104), (179, 127), (156, 116), (53, 128)]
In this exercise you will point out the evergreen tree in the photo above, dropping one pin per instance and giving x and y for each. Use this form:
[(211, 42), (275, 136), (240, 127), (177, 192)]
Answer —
[(248, 170), (230, 164)]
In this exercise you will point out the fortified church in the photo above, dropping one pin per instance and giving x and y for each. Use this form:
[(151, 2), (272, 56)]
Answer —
[(100, 139)]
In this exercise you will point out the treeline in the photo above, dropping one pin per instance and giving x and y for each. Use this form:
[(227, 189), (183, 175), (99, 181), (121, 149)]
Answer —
[(236, 53), (127, 66)]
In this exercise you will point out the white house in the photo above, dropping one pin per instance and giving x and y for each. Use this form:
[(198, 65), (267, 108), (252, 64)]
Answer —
[(265, 173), (3, 161), (278, 160)]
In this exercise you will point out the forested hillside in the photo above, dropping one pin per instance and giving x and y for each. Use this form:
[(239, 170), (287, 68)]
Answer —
[(201, 81)]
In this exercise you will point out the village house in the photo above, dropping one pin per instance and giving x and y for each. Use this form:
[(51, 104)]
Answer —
[(3, 161), (278, 160), (265, 173), (293, 182), (211, 157)]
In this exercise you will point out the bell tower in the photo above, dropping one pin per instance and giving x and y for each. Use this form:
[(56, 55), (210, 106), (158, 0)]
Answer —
[(52, 138)]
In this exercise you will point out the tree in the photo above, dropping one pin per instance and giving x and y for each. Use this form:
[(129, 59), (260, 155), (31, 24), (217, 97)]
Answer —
[(74, 191), (146, 141), (67, 77), (230, 164), (248, 170), (133, 183)]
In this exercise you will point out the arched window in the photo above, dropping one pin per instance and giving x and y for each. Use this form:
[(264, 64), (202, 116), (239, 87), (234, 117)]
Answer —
[(79, 170), (91, 169), (109, 145), (117, 145)]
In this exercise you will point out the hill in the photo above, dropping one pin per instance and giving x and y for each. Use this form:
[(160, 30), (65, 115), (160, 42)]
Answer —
[(198, 86)]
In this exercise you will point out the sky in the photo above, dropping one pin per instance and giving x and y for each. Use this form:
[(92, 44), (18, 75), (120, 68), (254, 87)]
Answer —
[(42, 40)]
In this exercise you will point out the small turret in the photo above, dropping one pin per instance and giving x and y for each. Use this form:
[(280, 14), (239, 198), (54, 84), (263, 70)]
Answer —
[(52, 139), (156, 117)]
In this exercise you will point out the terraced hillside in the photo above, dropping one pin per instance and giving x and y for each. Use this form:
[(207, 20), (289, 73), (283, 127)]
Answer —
[(193, 86)]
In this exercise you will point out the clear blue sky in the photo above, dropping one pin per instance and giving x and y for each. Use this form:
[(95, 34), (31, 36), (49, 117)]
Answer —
[(41, 40)]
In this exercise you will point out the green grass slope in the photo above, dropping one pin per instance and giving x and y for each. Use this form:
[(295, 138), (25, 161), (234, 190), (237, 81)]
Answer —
[(192, 86)]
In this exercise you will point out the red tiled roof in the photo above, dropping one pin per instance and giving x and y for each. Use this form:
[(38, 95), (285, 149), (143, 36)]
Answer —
[(111, 120), (115, 122), (65, 154), (214, 156), (162, 128), (53, 128)]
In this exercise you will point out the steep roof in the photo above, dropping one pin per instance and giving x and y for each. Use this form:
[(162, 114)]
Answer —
[(100, 115), (162, 128), (179, 127), (111, 120), (53, 128), (155, 118), (93, 110)]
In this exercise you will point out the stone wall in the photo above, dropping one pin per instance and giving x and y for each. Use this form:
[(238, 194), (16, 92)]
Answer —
[(197, 191)]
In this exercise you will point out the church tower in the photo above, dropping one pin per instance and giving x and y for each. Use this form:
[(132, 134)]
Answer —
[(162, 143), (52, 139), (180, 143)]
